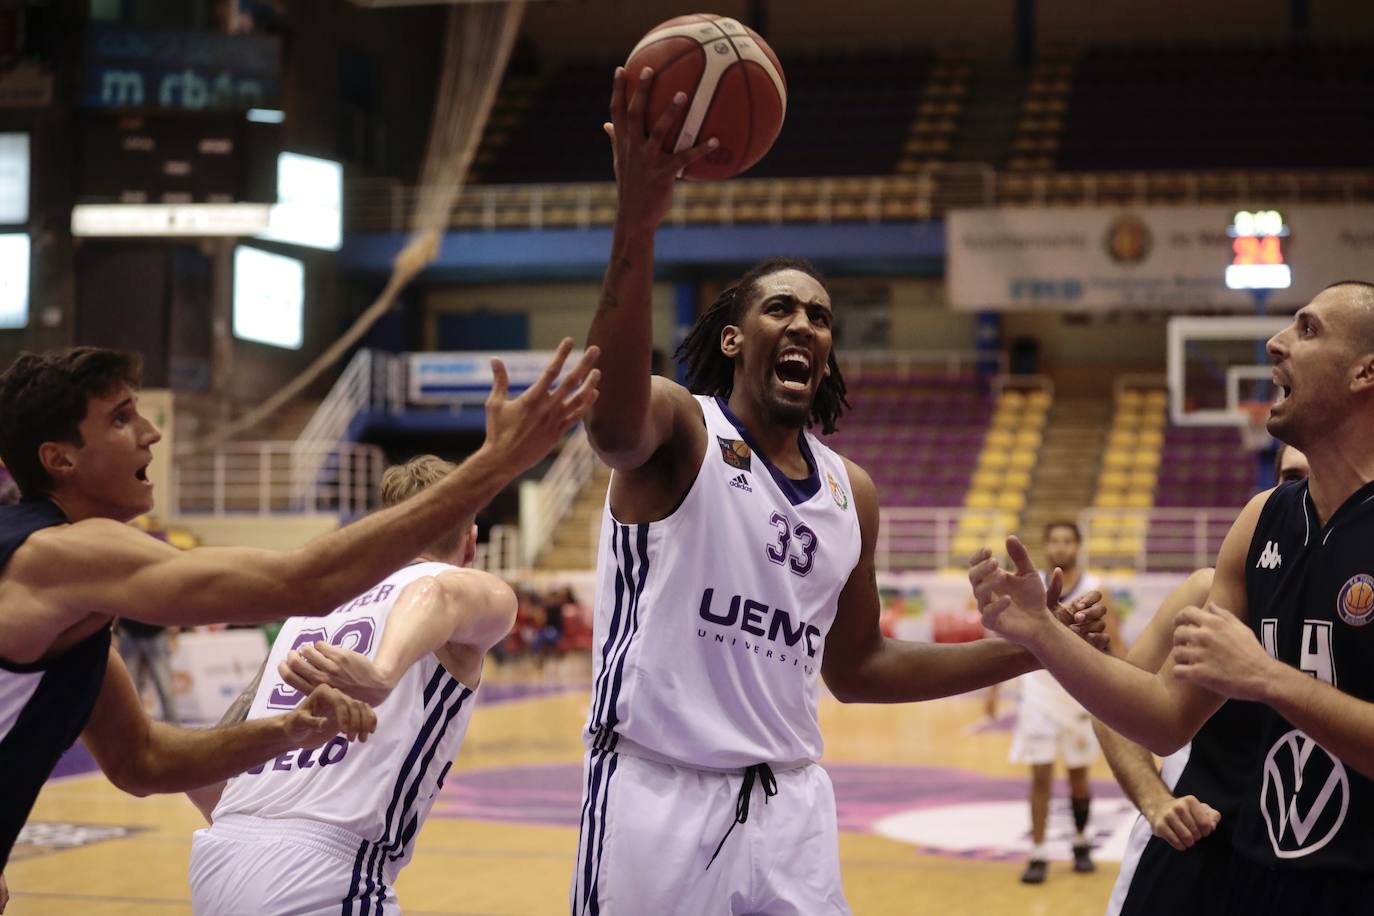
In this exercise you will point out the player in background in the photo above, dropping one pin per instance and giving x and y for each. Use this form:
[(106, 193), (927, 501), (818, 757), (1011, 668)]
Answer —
[(330, 833), (1285, 625), (735, 573), (1179, 849), (72, 437), (1052, 725)]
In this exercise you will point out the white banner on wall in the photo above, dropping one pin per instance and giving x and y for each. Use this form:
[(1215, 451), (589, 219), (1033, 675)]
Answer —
[(465, 378), (1140, 257)]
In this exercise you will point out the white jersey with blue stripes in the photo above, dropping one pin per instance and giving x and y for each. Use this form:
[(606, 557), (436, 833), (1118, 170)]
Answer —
[(710, 625), (381, 790)]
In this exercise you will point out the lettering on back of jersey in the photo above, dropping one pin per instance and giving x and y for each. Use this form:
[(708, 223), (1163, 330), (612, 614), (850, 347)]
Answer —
[(1270, 558)]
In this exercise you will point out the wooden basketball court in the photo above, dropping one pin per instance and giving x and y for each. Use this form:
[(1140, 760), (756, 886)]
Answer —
[(933, 820)]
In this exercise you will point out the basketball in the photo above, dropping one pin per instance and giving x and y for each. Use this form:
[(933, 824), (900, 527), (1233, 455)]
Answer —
[(734, 83), (1360, 598)]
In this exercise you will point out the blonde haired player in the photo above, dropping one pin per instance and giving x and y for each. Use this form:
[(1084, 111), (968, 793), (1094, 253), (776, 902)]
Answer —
[(328, 833)]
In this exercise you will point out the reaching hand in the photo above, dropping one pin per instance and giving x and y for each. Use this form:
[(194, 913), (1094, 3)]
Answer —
[(1181, 822), (524, 430), (1014, 604), (1085, 615), (644, 171), (1214, 650), (326, 713), (343, 669)]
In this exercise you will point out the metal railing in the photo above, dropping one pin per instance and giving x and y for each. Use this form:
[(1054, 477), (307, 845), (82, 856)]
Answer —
[(500, 554), (1154, 540), (916, 540), (383, 204), (265, 478), (373, 379), (545, 504)]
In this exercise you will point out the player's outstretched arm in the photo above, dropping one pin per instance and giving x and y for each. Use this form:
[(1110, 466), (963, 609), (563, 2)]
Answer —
[(635, 418), (101, 566), (143, 757), (462, 607), (1180, 822), (863, 666), (205, 798), (1160, 711)]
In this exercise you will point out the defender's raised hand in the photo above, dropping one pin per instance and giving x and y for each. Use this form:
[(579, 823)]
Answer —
[(328, 712), (1015, 604), (644, 171), (522, 431)]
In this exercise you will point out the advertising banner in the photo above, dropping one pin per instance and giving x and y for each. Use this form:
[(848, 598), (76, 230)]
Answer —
[(1097, 258)]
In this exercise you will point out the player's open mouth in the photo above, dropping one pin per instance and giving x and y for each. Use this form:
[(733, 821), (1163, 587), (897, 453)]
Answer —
[(142, 475), (1282, 391), (793, 369)]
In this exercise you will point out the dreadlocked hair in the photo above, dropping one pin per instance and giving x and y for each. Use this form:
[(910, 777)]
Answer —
[(711, 372)]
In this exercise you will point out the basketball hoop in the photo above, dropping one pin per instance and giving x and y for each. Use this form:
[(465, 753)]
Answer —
[(1253, 433)]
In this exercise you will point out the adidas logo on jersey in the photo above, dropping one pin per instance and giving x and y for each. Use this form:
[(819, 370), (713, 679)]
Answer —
[(1270, 558), (741, 483)]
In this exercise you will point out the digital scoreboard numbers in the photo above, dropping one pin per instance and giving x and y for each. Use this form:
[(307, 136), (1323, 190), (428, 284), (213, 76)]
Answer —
[(1259, 251)]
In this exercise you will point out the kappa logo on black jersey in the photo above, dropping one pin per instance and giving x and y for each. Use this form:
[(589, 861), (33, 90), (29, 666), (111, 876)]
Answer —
[(735, 452), (741, 483), (1270, 558)]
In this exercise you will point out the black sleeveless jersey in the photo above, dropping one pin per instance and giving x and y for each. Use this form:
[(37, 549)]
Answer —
[(44, 705), (1310, 597), (1194, 880)]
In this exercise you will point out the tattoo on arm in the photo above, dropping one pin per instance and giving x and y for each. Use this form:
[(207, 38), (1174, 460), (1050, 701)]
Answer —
[(238, 710)]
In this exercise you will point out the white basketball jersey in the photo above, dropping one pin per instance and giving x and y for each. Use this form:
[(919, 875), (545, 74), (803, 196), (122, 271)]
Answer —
[(1039, 689), (381, 790), (710, 624)]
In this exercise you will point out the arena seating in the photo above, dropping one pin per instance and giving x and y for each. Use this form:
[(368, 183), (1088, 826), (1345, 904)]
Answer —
[(1295, 107), (853, 115), (1157, 485)]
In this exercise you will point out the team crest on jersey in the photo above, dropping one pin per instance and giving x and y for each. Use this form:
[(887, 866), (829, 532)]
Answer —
[(735, 452), (1355, 603), (837, 491)]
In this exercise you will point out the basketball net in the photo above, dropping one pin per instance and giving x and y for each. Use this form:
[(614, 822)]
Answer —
[(477, 46), (1254, 434)]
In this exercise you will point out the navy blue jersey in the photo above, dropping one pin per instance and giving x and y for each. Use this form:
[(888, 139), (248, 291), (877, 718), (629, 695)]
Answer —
[(1310, 594), (43, 706)]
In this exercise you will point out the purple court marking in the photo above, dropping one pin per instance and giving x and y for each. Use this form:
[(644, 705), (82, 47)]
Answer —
[(77, 761), (552, 794)]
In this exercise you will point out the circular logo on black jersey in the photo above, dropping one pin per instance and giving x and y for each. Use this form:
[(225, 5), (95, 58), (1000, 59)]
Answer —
[(1355, 603), (1305, 796)]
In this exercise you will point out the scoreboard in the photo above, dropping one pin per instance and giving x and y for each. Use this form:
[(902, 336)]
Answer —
[(177, 159), (1259, 251)]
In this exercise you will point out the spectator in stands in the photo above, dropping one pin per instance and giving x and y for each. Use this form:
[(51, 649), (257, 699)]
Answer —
[(147, 652)]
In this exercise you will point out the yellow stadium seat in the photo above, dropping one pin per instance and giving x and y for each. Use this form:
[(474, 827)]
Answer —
[(979, 499), (1157, 397), (1128, 546), (986, 479), (1123, 438), (1143, 480), (1145, 459), (1014, 500), (1133, 522), (965, 546), (1112, 479), (1105, 524), (1152, 438), (1136, 499), (1109, 499), (1017, 479), (993, 458), (1117, 458), (999, 438), (1129, 397), (1038, 398), (1021, 459), (1028, 439), (1118, 572), (1101, 543)]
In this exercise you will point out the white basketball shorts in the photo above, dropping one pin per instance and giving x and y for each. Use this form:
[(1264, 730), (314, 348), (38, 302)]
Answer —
[(1039, 737), (250, 866), (649, 829)]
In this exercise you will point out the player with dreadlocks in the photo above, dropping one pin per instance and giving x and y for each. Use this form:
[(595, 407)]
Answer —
[(735, 573)]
